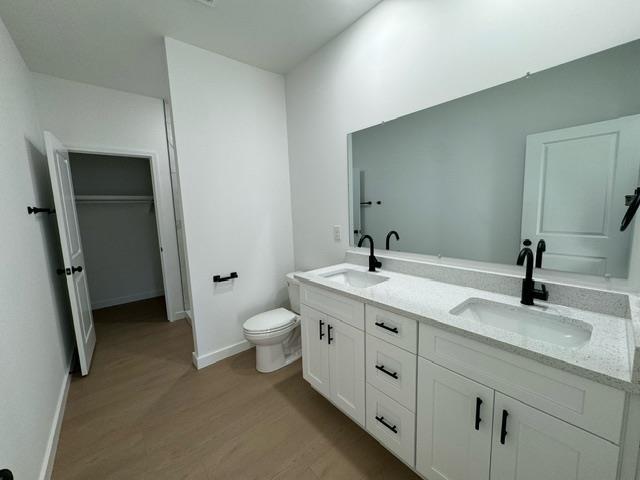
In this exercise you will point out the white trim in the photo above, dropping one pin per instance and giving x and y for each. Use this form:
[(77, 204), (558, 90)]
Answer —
[(110, 302), (54, 435), (213, 357), (180, 315), (629, 453)]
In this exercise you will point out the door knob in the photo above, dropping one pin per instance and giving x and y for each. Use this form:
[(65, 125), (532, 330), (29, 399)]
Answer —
[(76, 269)]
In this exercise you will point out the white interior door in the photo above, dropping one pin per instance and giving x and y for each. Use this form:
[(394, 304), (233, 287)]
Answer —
[(72, 254), (574, 186)]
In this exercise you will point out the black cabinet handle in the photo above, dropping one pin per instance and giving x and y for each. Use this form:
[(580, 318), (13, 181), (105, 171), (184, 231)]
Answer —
[(382, 325), (478, 419), (321, 324), (6, 474), (384, 370), (503, 429), (393, 428), (218, 278), (329, 328)]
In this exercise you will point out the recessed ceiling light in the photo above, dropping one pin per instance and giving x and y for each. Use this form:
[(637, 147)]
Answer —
[(209, 3)]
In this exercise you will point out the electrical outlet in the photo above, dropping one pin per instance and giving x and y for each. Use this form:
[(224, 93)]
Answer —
[(337, 233)]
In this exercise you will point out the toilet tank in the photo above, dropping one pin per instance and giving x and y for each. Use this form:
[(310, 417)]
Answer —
[(294, 292)]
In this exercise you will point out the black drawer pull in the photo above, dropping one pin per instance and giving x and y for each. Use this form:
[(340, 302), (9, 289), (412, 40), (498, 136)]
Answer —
[(320, 328), (393, 428), (329, 337), (503, 429), (478, 419), (382, 325), (218, 278), (384, 370)]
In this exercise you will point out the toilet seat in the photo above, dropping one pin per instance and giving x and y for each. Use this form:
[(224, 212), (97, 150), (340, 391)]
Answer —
[(273, 321)]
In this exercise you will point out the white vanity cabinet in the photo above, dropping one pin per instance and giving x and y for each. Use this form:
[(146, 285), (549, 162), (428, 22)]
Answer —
[(466, 431), (315, 350), (333, 353), (455, 408), (391, 364), (454, 424), (514, 441), (529, 444)]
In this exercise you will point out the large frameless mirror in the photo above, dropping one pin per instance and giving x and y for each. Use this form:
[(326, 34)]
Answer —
[(553, 157)]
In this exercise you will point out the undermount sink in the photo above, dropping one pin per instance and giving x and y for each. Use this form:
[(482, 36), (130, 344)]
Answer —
[(530, 323), (355, 278)]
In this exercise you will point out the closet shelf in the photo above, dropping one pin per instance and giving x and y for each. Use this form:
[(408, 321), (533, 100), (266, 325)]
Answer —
[(114, 198)]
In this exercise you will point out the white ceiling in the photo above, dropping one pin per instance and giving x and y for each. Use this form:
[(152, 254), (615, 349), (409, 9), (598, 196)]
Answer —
[(119, 43)]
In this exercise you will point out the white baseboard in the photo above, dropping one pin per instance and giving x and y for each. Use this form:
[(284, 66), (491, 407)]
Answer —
[(189, 315), (179, 315), (54, 435), (110, 302), (213, 357)]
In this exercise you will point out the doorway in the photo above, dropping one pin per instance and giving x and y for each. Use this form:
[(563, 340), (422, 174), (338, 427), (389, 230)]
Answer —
[(115, 202)]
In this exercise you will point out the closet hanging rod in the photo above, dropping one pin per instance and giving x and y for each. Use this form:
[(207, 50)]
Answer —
[(114, 198)]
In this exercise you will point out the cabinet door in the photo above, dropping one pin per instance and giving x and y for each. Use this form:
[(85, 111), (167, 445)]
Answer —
[(531, 445), (315, 351), (454, 422), (346, 360)]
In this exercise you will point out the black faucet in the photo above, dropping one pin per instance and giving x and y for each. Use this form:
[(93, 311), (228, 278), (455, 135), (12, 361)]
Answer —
[(541, 248), (373, 261), (529, 290), (392, 232)]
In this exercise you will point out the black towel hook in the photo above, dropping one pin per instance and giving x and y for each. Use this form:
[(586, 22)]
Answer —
[(633, 202)]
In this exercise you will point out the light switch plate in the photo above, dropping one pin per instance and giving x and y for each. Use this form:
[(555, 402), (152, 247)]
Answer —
[(337, 233)]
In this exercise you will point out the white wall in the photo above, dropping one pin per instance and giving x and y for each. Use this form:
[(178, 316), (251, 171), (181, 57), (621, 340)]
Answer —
[(406, 55), (35, 336), (231, 139), (82, 115)]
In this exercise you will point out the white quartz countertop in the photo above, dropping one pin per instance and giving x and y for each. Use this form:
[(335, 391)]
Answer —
[(605, 358)]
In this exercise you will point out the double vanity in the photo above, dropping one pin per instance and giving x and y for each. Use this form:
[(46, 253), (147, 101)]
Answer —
[(463, 383)]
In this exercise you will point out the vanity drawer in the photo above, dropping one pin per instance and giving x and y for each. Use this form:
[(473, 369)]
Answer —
[(393, 328), (335, 305), (392, 370), (586, 404), (392, 425)]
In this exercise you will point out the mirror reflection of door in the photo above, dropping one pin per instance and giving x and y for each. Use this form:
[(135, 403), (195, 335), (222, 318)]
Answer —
[(575, 184)]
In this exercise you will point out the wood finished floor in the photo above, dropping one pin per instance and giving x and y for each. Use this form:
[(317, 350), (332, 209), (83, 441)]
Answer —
[(144, 412)]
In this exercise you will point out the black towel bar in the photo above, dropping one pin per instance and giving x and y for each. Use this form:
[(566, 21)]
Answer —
[(218, 278)]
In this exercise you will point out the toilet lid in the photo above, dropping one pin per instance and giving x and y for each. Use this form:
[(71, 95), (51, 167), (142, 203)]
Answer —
[(271, 320)]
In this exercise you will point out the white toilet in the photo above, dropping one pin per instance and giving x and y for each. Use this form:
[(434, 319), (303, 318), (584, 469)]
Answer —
[(276, 333)]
